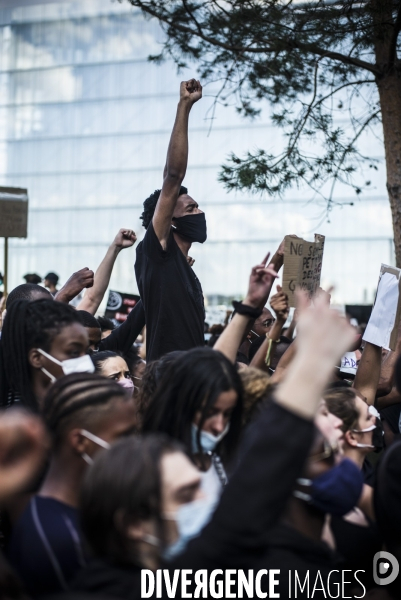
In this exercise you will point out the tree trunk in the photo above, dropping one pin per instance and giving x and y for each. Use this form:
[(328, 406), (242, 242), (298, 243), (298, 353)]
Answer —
[(390, 101), (389, 84)]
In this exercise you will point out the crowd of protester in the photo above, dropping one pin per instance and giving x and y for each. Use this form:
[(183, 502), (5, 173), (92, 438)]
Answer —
[(162, 443)]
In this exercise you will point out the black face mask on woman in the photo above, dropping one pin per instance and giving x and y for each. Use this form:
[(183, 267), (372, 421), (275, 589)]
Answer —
[(192, 227)]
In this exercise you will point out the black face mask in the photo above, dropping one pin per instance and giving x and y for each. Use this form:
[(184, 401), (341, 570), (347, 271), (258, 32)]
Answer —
[(192, 227)]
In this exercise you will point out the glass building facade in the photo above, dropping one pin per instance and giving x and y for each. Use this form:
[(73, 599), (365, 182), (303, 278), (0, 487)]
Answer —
[(85, 121)]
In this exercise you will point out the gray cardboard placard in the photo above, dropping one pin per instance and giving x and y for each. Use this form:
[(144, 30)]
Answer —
[(13, 212)]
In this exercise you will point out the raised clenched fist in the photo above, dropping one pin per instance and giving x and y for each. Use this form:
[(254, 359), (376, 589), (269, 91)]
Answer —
[(125, 238), (191, 90)]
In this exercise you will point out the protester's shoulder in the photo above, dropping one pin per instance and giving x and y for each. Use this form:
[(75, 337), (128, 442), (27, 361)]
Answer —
[(46, 514), (26, 528), (152, 247)]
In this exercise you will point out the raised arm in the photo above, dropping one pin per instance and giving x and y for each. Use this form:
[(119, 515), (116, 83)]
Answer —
[(177, 159), (125, 238), (263, 357), (260, 283), (387, 369), (368, 373), (279, 442), (274, 264), (289, 334), (74, 285), (122, 338)]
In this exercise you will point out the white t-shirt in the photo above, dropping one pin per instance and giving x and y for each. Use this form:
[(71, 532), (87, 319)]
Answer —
[(211, 484)]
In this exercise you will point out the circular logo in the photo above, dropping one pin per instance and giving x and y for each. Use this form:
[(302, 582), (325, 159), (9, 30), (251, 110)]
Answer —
[(114, 302)]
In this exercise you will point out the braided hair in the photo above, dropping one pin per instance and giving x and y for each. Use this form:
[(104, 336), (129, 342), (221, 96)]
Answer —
[(149, 206), (88, 320), (27, 291), (28, 325), (78, 398)]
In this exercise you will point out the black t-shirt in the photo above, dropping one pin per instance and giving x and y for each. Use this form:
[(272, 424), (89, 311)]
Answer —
[(122, 338), (46, 546), (172, 297)]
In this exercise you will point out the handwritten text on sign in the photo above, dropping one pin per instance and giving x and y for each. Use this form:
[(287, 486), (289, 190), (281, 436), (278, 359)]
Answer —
[(302, 265)]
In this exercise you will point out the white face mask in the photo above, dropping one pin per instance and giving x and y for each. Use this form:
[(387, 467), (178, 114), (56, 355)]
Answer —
[(191, 518), (371, 428), (82, 364), (375, 413), (97, 440), (208, 441)]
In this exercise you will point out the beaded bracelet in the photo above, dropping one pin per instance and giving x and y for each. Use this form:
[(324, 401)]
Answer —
[(269, 350)]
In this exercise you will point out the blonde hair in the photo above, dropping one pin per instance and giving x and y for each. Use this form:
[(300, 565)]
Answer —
[(256, 385)]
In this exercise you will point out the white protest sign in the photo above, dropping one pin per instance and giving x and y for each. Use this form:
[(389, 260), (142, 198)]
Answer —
[(349, 363), (382, 327)]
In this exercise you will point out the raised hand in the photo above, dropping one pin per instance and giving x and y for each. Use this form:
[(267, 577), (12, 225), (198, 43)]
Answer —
[(23, 449), (125, 238), (325, 295), (281, 248), (190, 261), (75, 284), (260, 282), (279, 303), (322, 332), (323, 337), (191, 90)]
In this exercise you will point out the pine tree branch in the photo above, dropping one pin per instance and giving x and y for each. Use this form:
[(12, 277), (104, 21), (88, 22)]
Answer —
[(309, 48), (348, 60), (356, 82), (352, 142)]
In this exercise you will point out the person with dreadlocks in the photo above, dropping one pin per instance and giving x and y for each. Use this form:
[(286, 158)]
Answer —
[(84, 413), (170, 291), (41, 341)]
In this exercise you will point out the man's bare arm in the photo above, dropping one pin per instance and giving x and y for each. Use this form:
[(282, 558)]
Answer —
[(368, 373), (177, 160), (94, 295), (74, 285), (386, 380), (260, 283), (279, 303)]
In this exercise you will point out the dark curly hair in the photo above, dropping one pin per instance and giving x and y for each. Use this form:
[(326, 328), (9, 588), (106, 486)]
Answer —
[(149, 205)]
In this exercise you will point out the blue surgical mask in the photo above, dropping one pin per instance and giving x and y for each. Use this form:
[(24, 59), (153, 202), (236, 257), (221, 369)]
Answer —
[(191, 518), (336, 492), (208, 441)]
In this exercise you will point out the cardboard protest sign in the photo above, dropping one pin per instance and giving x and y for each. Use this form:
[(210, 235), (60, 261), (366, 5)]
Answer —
[(13, 212), (302, 265), (119, 305), (382, 329)]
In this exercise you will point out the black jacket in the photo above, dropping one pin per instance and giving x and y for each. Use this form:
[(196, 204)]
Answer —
[(290, 552), (250, 506), (104, 578)]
